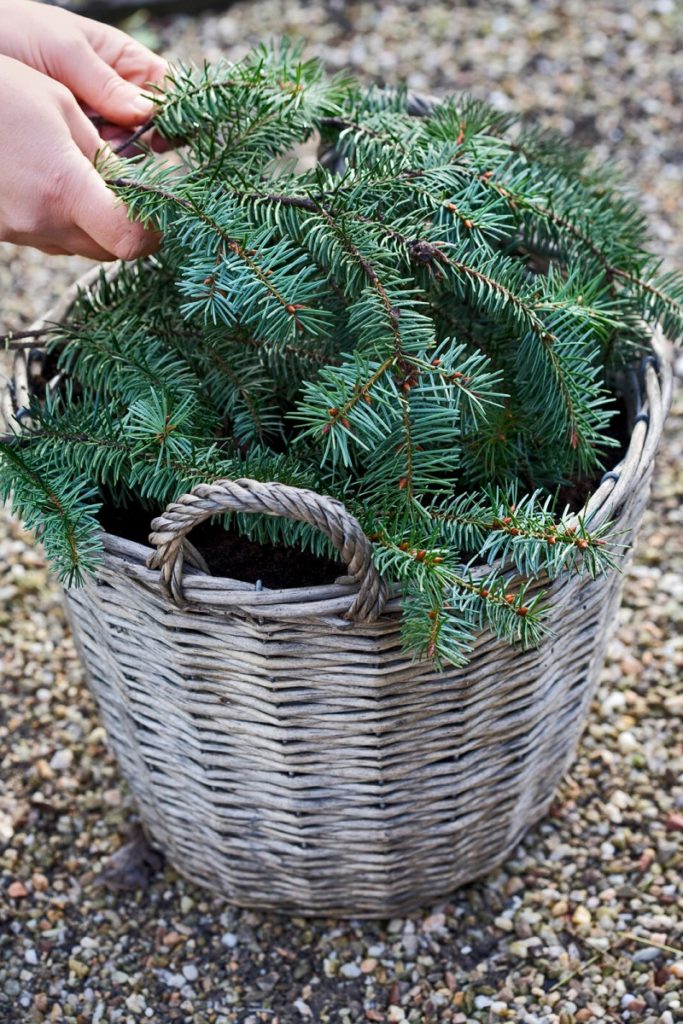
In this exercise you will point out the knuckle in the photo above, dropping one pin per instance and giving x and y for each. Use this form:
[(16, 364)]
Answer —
[(111, 88), (64, 98), (56, 187)]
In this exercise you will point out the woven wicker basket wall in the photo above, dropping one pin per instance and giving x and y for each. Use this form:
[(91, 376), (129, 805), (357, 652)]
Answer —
[(291, 758)]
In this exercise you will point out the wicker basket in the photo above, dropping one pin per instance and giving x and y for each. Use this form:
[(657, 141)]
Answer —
[(282, 748)]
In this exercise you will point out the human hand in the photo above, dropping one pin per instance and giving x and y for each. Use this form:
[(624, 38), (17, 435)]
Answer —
[(51, 196), (103, 67), (52, 65)]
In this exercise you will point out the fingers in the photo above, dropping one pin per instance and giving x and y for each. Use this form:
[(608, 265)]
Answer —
[(77, 243), (83, 131), (51, 195), (100, 228), (130, 59), (124, 66), (92, 206), (96, 211), (101, 87), (73, 243)]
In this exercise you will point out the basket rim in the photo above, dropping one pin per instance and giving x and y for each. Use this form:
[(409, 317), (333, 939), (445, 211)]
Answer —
[(650, 382)]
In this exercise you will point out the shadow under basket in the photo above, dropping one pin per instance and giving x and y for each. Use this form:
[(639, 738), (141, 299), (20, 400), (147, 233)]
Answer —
[(282, 748)]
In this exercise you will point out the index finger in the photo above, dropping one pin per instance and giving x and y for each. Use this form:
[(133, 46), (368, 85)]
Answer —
[(129, 58)]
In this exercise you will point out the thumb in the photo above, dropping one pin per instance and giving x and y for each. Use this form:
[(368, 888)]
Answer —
[(95, 210), (97, 84)]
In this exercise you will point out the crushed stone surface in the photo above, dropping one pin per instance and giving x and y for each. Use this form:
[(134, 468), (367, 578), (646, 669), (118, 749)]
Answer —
[(585, 923)]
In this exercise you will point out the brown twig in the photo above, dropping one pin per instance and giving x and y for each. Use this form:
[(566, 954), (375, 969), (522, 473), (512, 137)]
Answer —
[(15, 339), (134, 137)]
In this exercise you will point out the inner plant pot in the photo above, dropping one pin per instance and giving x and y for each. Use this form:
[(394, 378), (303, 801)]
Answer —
[(342, 639)]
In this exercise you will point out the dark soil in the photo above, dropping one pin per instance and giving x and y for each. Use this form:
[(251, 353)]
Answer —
[(229, 554)]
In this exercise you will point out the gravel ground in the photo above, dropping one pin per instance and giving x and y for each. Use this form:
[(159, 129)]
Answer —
[(586, 922)]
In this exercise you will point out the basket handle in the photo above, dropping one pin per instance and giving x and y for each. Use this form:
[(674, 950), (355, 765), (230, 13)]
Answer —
[(272, 499)]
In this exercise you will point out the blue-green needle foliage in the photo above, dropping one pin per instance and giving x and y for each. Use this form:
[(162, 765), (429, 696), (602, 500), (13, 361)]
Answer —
[(423, 323)]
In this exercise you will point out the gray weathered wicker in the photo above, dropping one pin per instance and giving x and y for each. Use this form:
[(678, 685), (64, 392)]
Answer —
[(282, 748)]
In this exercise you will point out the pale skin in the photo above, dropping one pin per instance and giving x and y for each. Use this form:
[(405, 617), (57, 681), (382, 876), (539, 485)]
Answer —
[(55, 66)]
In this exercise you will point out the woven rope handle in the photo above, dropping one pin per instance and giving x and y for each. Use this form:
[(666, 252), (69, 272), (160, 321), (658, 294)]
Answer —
[(272, 499)]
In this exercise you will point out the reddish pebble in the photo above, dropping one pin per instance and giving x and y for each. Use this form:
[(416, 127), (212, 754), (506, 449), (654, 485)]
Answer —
[(646, 860), (17, 891), (674, 822)]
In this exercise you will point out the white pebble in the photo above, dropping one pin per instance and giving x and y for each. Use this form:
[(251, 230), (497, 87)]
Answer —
[(644, 956), (350, 970), (627, 742), (190, 972), (136, 1003), (229, 940), (582, 916), (614, 702), (173, 980), (504, 923), (62, 760)]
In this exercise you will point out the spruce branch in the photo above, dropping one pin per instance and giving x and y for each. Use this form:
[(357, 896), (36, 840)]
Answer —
[(62, 513)]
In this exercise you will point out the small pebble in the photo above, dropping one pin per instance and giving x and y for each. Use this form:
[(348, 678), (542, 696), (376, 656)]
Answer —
[(582, 917), (62, 760), (645, 956), (174, 980), (627, 742), (136, 1002)]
